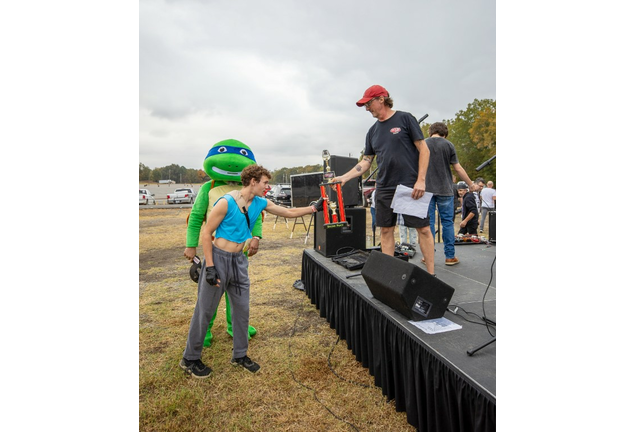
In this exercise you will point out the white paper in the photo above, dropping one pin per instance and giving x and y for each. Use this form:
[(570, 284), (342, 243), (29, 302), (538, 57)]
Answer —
[(404, 203), (438, 325)]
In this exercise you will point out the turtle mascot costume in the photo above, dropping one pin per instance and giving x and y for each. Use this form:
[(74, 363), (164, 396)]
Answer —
[(224, 164)]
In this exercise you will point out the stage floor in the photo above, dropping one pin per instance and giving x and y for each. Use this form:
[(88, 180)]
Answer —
[(475, 296)]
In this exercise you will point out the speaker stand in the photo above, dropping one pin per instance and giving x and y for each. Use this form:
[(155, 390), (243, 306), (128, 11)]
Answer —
[(473, 351), (312, 216), (295, 223)]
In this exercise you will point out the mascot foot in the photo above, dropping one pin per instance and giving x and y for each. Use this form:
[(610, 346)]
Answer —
[(208, 338), (252, 331)]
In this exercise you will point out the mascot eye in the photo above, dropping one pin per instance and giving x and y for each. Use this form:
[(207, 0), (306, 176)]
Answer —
[(222, 150), (243, 152)]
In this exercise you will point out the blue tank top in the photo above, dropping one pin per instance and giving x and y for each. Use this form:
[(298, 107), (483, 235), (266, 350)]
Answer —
[(234, 226)]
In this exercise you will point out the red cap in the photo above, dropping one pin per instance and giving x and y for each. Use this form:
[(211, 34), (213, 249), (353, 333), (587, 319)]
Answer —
[(371, 93)]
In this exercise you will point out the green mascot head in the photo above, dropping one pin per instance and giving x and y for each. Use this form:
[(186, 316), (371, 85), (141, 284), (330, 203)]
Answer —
[(226, 160)]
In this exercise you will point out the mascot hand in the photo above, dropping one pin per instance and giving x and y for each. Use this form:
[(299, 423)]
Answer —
[(190, 253), (318, 205), (211, 276)]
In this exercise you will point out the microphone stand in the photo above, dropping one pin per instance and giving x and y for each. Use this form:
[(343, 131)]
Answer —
[(373, 227), (484, 164), (473, 351)]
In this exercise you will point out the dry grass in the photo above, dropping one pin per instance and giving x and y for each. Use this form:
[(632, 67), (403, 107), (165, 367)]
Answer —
[(296, 390)]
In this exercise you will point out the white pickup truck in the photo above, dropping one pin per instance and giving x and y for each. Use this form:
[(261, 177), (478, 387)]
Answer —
[(145, 197), (186, 195)]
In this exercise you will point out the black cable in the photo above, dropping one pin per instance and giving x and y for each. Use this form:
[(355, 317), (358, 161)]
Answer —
[(344, 247), (308, 387), (484, 320), (456, 307)]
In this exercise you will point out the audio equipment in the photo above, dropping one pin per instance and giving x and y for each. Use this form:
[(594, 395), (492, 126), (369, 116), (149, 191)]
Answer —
[(336, 238), (351, 191), (491, 226), (405, 287), (305, 188)]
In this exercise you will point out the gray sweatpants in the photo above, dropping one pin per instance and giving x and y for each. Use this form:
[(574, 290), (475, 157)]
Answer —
[(233, 271)]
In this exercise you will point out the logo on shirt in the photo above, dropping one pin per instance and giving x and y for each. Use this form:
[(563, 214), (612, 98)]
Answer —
[(395, 130)]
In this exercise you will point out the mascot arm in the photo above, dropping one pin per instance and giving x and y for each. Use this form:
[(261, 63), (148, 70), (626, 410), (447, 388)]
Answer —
[(197, 215), (257, 227)]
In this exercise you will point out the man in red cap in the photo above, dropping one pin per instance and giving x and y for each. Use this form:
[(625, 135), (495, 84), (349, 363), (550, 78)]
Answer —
[(402, 156)]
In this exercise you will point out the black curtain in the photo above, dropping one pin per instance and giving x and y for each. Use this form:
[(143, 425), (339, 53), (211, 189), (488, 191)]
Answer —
[(434, 396)]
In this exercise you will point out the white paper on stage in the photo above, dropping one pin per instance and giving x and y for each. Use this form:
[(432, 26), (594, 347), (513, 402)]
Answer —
[(404, 203), (438, 325)]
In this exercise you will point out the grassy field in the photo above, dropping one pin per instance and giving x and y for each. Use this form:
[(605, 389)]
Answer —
[(309, 380)]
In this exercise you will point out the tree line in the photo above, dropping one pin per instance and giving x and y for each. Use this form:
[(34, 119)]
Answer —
[(472, 132), (174, 172)]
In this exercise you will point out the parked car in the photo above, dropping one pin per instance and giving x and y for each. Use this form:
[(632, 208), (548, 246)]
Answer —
[(145, 197), (282, 196), (368, 188), (275, 190), (186, 195)]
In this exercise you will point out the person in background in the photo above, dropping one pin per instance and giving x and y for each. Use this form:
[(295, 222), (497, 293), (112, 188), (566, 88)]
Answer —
[(457, 201), (405, 234), (469, 224), (487, 197), (480, 185), (442, 157)]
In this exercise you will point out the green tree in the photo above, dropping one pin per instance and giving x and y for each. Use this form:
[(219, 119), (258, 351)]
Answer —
[(473, 134), (283, 175), (144, 172)]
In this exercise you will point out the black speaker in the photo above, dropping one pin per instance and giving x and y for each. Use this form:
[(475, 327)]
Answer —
[(305, 188), (336, 238), (491, 226), (351, 191), (405, 287)]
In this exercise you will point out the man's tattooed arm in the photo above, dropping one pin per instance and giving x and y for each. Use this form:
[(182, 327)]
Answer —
[(368, 159)]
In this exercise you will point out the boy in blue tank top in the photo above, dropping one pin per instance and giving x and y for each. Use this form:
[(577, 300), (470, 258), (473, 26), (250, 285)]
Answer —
[(225, 267)]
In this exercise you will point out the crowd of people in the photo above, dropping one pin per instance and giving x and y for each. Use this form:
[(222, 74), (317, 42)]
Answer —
[(404, 157)]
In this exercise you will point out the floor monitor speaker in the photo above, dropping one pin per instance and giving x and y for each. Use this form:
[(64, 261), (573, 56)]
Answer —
[(405, 287)]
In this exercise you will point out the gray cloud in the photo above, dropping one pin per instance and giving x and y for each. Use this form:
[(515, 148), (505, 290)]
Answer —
[(283, 76)]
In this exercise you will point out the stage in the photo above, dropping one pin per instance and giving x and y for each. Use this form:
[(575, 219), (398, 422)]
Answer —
[(429, 376)]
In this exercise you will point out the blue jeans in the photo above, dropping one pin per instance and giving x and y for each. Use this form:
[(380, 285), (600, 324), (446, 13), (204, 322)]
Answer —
[(445, 212)]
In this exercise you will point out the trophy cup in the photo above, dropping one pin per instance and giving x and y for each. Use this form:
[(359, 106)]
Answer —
[(338, 215)]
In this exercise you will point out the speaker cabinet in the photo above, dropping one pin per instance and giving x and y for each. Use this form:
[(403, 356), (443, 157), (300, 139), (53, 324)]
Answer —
[(491, 226), (405, 287), (337, 238), (351, 191), (305, 188)]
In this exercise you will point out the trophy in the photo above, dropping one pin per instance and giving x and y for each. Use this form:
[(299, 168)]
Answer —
[(340, 215)]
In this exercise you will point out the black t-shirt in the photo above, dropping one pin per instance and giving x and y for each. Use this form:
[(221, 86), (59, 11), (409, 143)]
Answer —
[(442, 155), (392, 142), (469, 206)]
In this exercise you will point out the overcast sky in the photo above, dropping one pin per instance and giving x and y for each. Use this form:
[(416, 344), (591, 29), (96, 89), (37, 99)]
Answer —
[(283, 76)]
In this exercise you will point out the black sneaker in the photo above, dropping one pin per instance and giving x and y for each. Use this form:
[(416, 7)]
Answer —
[(195, 368), (246, 363)]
